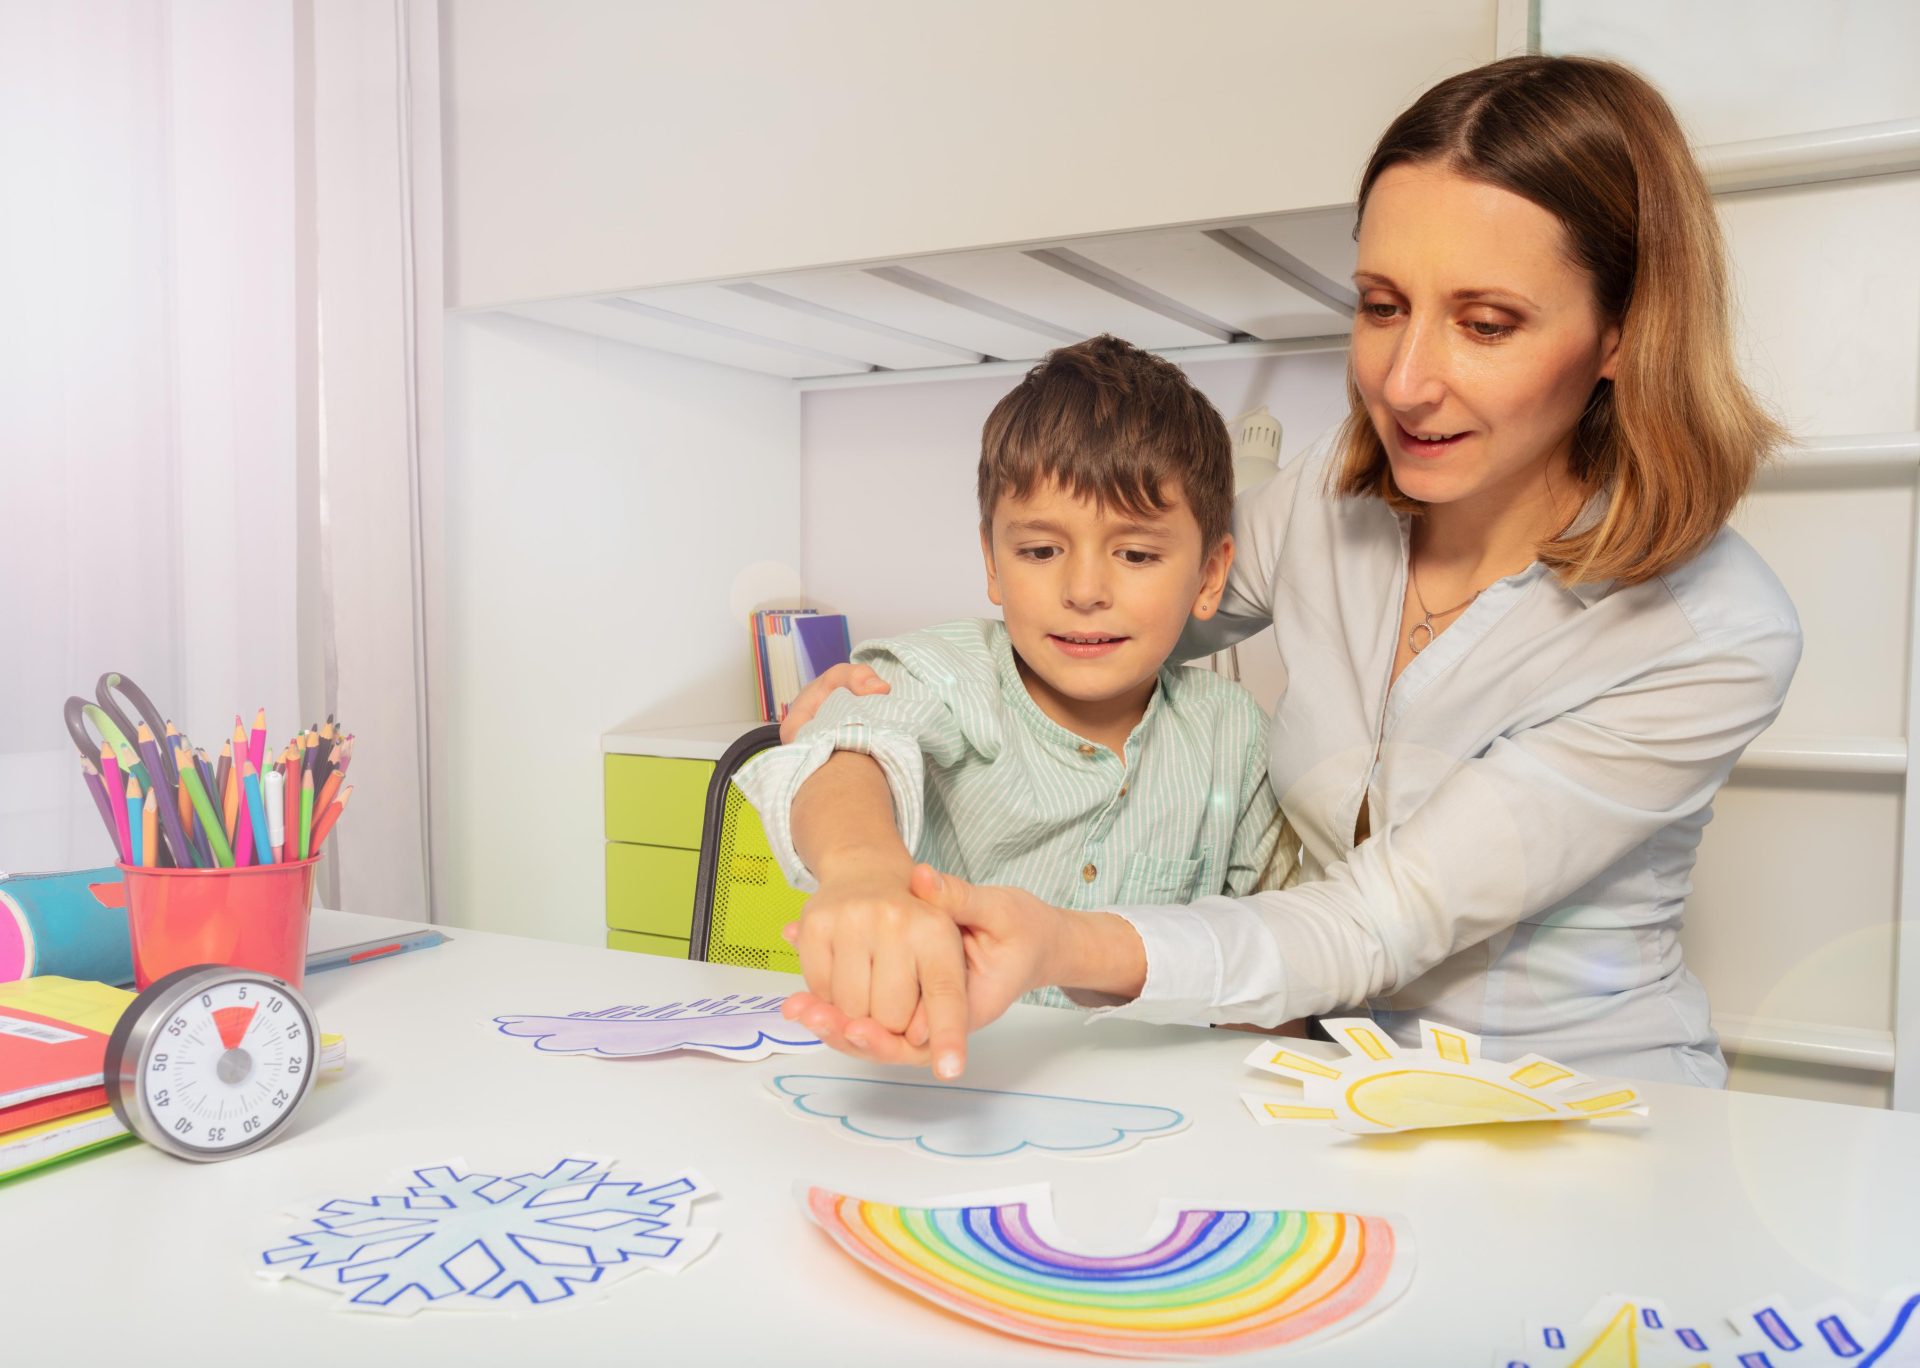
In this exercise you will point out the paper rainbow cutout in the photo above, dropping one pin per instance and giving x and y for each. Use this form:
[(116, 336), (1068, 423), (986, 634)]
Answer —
[(1204, 1282)]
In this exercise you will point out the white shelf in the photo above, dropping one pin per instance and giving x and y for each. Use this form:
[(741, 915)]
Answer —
[(1877, 149), (1858, 755), (701, 741), (1188, 291), (1802, 1042)]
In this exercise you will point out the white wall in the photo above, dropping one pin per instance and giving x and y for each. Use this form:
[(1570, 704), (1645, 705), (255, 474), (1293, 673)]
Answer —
[(891, 527), (610, 144), (611, 515), (1794, 902)]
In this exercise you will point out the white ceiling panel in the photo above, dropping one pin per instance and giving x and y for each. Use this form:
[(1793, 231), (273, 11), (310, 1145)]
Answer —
[(762, 311), (1208, 277), (1322, 240), (1019, 280), (899, 298), (624, 321)]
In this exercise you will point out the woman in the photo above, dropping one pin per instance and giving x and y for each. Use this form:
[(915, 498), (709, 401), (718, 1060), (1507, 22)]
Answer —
[(1523, 650)]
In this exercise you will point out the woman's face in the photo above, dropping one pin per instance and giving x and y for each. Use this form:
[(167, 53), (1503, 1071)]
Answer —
[(1474, 328)]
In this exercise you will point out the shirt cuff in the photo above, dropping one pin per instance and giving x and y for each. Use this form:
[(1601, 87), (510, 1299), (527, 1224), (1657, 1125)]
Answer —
[(772, 779), (1184, 982)]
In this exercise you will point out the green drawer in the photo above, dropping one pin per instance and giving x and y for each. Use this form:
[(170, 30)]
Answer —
[(656, 801), (647, 945), (650, 889)]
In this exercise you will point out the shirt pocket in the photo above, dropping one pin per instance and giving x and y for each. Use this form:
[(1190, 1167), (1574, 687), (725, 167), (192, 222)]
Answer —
[(1156, 879)]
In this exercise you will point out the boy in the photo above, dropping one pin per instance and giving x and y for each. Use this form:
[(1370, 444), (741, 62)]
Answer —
[(1057, 751)]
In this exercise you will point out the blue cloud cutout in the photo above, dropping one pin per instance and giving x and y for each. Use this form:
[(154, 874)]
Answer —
[(974, 1123)]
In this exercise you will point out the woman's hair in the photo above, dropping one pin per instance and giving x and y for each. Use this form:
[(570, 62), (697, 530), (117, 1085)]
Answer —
[(1674, 439)]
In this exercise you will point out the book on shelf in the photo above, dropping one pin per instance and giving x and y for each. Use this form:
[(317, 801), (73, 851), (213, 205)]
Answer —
[(791, 648)]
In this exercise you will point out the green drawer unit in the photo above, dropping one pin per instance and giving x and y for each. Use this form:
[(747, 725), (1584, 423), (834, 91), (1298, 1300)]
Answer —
[(650, 889), (656, 801), (647, 945), (655, 807)]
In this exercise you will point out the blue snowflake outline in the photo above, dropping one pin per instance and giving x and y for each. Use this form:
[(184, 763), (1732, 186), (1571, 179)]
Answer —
[(602, 1229)]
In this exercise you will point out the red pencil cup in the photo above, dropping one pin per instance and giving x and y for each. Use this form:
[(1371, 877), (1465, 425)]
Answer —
[(252, 917)]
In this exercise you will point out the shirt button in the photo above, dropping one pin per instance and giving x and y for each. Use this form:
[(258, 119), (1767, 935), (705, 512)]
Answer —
[(1089, 873), (1085, 749)]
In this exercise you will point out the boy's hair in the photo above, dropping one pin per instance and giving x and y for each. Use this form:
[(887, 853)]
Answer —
[(1110, 422)]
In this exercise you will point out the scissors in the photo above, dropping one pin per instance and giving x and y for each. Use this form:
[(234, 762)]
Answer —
[(116, 730)]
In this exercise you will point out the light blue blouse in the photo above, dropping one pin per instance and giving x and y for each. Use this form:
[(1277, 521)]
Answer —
[(1538, 780)]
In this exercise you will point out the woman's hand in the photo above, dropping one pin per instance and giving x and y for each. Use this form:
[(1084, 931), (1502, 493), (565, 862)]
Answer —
[(859, 680), (1008, 941)]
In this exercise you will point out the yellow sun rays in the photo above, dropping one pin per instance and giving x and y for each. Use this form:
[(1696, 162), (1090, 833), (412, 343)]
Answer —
[(1380, 1086)]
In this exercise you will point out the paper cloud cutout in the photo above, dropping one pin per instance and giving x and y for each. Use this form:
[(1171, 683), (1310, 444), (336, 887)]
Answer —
[(733, 1027), (973, 1123)]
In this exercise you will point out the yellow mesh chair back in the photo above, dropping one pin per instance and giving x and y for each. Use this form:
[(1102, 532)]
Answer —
[(740, 899)]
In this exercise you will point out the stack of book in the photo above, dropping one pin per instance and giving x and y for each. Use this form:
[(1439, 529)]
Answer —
[(791, 647)]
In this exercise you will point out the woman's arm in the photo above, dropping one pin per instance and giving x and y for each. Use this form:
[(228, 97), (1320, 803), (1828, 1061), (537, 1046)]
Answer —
[(1506, 835)]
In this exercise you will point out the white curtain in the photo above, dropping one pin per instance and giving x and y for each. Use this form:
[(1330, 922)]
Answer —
[(219, 395), (147, 517), (373, 70)]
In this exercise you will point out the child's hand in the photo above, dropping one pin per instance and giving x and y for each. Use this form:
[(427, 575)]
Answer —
[(1009, 937), (859, 680), (873, 951)]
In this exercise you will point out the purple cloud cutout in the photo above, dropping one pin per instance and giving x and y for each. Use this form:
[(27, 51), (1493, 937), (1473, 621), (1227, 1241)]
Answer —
[(735, 1026)]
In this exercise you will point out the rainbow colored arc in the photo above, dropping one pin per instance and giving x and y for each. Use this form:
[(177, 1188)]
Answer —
[(1206, 1283)]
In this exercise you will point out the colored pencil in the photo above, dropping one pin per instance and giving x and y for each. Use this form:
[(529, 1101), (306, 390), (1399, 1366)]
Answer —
[(203, 806), (150, 830), (224, 777), (91, 773), (292, 814), (257, 742), (110, 779), (176, 834), (328, 791), (243, 846), (332, 816), (136, 853), (253, 819), (273, 796), (306, 813)]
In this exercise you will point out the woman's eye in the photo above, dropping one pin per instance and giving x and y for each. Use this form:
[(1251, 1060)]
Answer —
[(1380, 312), (1482, 328)]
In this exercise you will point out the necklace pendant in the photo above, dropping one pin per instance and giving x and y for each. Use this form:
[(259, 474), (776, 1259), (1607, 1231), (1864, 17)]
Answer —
[(1415, 642)]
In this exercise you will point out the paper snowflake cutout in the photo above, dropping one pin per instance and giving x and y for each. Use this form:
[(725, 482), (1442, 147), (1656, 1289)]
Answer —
[(1767, 1334), (736, 1026), (1382, 1087), (485, 1242)]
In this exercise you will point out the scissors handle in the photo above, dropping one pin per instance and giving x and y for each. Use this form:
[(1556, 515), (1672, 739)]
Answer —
[(147, 713)]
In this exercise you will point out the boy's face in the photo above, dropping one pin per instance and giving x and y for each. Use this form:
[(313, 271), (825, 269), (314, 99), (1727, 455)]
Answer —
[(1094, 598)]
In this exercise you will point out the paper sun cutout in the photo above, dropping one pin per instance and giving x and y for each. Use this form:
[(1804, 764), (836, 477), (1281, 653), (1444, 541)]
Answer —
[(1382, 1087)]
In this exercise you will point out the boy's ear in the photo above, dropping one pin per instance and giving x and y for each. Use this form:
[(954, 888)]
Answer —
[(1213, 579), (993, 580)]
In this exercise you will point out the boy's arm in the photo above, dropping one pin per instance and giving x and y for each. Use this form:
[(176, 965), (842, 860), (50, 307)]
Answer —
[(866, 944)]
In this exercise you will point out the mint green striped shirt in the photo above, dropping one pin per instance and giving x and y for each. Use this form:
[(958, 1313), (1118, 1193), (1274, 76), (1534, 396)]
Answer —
[(987, 786)]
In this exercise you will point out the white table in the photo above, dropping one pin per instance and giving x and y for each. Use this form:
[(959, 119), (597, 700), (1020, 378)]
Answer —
[(131, 1257)]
